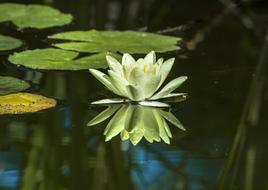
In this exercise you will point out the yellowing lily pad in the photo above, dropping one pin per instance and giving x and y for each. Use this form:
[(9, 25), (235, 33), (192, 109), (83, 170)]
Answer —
[(10, 84), (57, 59), (123, 41), (8, 43), (19, 103), (33, 16)]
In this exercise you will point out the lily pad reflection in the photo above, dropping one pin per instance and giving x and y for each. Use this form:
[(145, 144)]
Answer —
[(134, 122)]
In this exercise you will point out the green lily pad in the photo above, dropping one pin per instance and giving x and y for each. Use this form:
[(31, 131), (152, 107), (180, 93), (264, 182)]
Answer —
[(123, 41), (57, 59), (9, 43), (19, 103), (10, 84), (33, 16)]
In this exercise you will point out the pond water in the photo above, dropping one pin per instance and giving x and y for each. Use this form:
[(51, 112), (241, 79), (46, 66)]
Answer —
[(225, 113)]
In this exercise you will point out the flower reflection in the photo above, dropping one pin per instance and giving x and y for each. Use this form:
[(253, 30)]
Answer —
[(135, 121)]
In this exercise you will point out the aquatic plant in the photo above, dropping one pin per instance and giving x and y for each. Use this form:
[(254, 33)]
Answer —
[(139, 80), (57, 59), (94, 41), (33, 16), (9, 43), (22, 102), (13, 101)]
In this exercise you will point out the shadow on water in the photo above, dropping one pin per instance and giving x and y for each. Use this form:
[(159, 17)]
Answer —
[(223, 147)]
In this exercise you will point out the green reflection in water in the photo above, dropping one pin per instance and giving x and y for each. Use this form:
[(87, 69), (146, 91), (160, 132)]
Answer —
[(135, 121)]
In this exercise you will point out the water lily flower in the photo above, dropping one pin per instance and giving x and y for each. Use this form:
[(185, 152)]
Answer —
[(139, 80), (134, 122)]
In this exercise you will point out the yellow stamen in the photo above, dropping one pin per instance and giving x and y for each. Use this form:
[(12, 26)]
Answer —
[(145, 68)]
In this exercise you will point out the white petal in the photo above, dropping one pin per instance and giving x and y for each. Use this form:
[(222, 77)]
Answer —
[(110, 101), (145, 83), (174, 97), (114, 65), (135, 93), (136, 79), (119, 83), (150, 58), (165, 69), (127, 60), (171, 86), (158, 65), (136, 76), (140, 62), (160, 61), (154, 104), (105, 80)]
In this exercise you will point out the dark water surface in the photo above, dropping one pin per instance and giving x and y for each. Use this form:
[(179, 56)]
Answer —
[(225, 115)]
